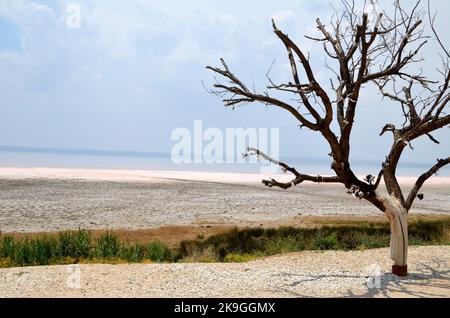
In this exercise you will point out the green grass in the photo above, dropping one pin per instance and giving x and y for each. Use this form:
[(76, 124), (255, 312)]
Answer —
[(234, 246), (107, 246), (76, 247), (132, 254), (158, 252), (266, 242)]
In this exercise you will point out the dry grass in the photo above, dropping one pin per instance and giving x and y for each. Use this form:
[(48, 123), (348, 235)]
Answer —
[(173, 235), (170, 235)]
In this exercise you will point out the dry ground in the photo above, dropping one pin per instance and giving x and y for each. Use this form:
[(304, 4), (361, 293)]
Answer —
[(30, 205), (173, 235)]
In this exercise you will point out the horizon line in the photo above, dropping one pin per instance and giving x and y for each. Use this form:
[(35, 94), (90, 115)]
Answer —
[(161, 155)]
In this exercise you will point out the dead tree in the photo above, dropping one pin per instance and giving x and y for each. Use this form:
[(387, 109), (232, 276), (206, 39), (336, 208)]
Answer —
[(382, 51)]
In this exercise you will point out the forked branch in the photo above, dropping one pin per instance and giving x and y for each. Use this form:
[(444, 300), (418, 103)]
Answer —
[(423, 178), (237, 93), (299, 177)]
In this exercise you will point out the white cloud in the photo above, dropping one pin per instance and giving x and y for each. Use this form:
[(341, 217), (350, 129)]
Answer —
[(140, 65)]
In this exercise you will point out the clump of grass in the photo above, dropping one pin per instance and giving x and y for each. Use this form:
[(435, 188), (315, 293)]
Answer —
[(75, 244), (7, 247), (132, 254), (157, 252), (43, 250), (107, 246), (329, 242), (82, 241), (65, 244), (204, 255), (284, 244), (22, 255)]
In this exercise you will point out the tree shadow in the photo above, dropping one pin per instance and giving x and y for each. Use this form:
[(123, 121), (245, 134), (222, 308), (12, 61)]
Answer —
[(431, 279), (427, 280)]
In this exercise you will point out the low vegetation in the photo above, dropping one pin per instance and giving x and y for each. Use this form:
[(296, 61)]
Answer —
[(233, 246)]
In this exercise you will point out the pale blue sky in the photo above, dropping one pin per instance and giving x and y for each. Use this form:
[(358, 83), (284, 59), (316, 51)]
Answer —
[(133, 72)]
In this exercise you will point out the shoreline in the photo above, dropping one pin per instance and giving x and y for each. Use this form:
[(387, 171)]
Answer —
[(131, 175)]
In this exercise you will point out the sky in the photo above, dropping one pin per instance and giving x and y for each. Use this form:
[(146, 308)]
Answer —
[(135, 70)]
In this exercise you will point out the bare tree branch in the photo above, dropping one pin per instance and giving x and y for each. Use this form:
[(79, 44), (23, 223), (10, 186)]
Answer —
[(315, 86), (423, 178), (245, 96), (299, 177)]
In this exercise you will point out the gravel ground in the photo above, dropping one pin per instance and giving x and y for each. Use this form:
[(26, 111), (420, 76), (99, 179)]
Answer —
[(305, 274)]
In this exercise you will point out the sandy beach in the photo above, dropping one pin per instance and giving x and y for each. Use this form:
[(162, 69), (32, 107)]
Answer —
[(47, 200)]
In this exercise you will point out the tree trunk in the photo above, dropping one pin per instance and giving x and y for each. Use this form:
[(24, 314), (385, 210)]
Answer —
[(398, 219)]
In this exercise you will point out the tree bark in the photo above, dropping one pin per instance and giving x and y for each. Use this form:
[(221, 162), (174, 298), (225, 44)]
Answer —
[(398, 219)]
